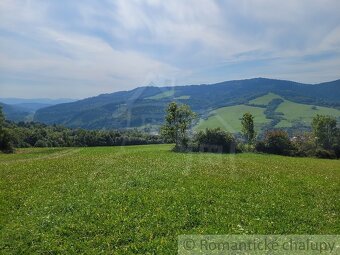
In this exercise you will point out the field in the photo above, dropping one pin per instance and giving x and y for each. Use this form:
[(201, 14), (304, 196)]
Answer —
[(228, 118), (124, 200), (301, 112), (264, 100), (165, 94)]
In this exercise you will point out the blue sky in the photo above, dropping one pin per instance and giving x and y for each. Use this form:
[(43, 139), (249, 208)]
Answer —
[(76, 49)]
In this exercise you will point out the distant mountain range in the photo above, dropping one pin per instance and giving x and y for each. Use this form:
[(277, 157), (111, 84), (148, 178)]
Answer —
[(144, 107), (19, 109)]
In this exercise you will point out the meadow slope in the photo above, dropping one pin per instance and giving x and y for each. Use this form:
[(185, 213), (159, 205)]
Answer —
[(138, 199), (292, 113)]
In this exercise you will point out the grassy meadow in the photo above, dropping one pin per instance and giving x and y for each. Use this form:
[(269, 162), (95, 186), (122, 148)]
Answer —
[(229, 118), (302, 113), (138, 199), (264, 100)]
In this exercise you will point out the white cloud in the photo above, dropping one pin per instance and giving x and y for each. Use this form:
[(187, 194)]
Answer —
[(73, 58), (84, 58), (103, 46)]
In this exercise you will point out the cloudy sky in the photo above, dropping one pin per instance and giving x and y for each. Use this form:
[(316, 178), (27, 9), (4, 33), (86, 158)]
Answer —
[(76, 49)]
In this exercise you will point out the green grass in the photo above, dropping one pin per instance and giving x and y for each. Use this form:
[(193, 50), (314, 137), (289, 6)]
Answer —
[(165, 94), (264, 100), (229, 118), (138, 199), (183, 97), (294, 112)]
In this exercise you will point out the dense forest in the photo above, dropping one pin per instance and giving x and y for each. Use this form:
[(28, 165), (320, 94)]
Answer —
[(31, 134)]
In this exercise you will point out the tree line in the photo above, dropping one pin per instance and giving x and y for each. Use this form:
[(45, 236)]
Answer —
[(23, 135), (323, 141)]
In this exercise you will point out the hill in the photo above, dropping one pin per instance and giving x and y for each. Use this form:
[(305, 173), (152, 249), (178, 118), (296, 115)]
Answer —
[(16, 113), (144, 106), (20, 109), (43, 101), (269, 111), (138, 199)]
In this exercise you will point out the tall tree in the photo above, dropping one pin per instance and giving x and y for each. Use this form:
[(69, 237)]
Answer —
[(248, 129), (325, 131), (5, 139), (177, 123)]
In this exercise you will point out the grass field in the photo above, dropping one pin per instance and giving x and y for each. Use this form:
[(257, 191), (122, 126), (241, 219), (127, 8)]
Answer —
[(124, 200), (264, 100), (165, 94), (229, 118), (183, 97), (302, 113)]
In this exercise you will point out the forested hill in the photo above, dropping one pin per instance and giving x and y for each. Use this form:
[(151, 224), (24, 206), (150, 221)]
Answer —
[(144, 106), (15, 113), (20, 109)]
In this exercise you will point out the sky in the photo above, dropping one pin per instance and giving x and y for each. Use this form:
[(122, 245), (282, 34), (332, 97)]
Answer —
[(77, 49)]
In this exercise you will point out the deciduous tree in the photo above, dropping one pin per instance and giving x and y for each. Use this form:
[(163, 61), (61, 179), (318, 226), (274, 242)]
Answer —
[(248, 129), (177, 123), (5, 139), (325, 131)]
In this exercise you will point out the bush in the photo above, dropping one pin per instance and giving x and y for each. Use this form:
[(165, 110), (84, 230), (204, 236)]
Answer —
[(241, 147), (5, 142), (336, 146), (276, 142), (260, 146), (327, 154), (41, 143), (304, 144), (184, 146), (337, 150), (214, 140)]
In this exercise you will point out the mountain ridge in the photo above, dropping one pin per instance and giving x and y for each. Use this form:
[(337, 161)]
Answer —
[(144, 106), (134, 108), (49, 101)]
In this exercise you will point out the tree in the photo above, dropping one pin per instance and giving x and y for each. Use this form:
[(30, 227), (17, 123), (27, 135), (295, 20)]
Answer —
[(337, 144), (5, 139), (276, 142), (177, 122), (325, 131), (248, 127), (305, 144), (2, 118)]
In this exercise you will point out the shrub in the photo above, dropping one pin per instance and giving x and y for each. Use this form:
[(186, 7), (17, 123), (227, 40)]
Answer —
[(327, 154), (336, 146), (214, 140), (276, 142), (304, 144), (260, 146), (41, 143), (337, 150), (6, 145), (241, 147)]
